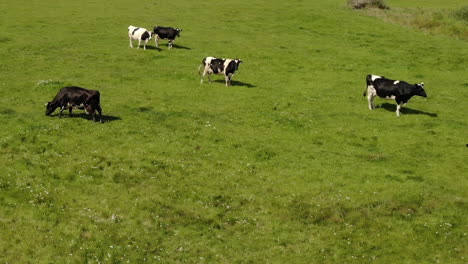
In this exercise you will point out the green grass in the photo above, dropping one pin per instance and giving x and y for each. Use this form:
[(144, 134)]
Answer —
[(286, 166)]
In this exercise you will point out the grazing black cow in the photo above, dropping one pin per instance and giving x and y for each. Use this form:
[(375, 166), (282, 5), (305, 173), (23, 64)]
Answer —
[(140, 34), (166, 33), (227, 67), (76, 97), (391, 89)]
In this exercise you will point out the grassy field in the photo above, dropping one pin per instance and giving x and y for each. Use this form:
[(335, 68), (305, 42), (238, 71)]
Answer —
[(286, 166)]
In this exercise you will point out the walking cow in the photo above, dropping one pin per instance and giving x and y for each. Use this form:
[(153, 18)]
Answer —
[(226, 67), (76, 97), (166, 33), (391, 89), (140, 34)]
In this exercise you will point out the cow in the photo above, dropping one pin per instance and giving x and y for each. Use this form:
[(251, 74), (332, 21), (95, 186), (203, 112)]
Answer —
[(76, 97), (391, 89), (140, 34), (166, 33), (227, 67)]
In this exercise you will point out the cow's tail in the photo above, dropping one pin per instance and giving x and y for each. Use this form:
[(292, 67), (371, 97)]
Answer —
[(199, 67), (368, 82)]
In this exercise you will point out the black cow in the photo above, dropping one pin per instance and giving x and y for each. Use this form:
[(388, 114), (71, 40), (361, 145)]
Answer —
[(76, 97), (227, 67), (391, 89), (166, 33)]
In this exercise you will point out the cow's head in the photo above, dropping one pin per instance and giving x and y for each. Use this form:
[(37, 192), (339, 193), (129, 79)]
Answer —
[(238, 62), (89, 109), (178, 31), (420, 89), (50, 108), (90, 104)]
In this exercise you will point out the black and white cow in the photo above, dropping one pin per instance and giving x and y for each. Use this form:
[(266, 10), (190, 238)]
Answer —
[(76, 97), (140, 34), (391, 89), (166, 33), (227, 67)]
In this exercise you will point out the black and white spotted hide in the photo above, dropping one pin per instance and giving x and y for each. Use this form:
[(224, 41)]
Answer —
[(140, 34), (226, 67), (391, 89)]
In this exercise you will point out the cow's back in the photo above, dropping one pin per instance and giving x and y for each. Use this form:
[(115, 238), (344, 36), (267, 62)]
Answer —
[(138, 33), (230, 66), (76, 95), (217, 65), (165, 32), (385, 88)]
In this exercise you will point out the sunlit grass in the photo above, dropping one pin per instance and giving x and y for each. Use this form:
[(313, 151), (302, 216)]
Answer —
[(286, 166)]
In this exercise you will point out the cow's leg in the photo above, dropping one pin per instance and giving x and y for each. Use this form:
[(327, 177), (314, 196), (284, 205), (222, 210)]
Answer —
[(228, 79), (170, 43), (156, 40), (139, 42), (70, 109), (370, 101), (203, 76), (399, 104), (144, 45), (209, 77), (61, 110), (131, 41), (371, 94), (99, 110), (398, 107)]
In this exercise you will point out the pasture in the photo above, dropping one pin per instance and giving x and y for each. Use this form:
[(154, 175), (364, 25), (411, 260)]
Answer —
[(286, 166)]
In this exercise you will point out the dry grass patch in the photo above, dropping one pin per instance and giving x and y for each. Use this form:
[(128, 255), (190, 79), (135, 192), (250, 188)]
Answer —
[(360, 4), (452, 23)]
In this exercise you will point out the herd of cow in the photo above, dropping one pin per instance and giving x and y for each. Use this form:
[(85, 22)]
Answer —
[(89, 100)]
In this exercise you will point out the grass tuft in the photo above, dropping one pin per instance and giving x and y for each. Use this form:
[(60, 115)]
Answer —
[(360, 4), (433, 21), (461, 14)]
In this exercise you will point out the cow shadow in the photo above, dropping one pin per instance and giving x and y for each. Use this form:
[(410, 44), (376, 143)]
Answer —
[(405, 110), (175, 46), (153, 48), (236, 83), (109, 118), (104, 118), (180, 47)]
